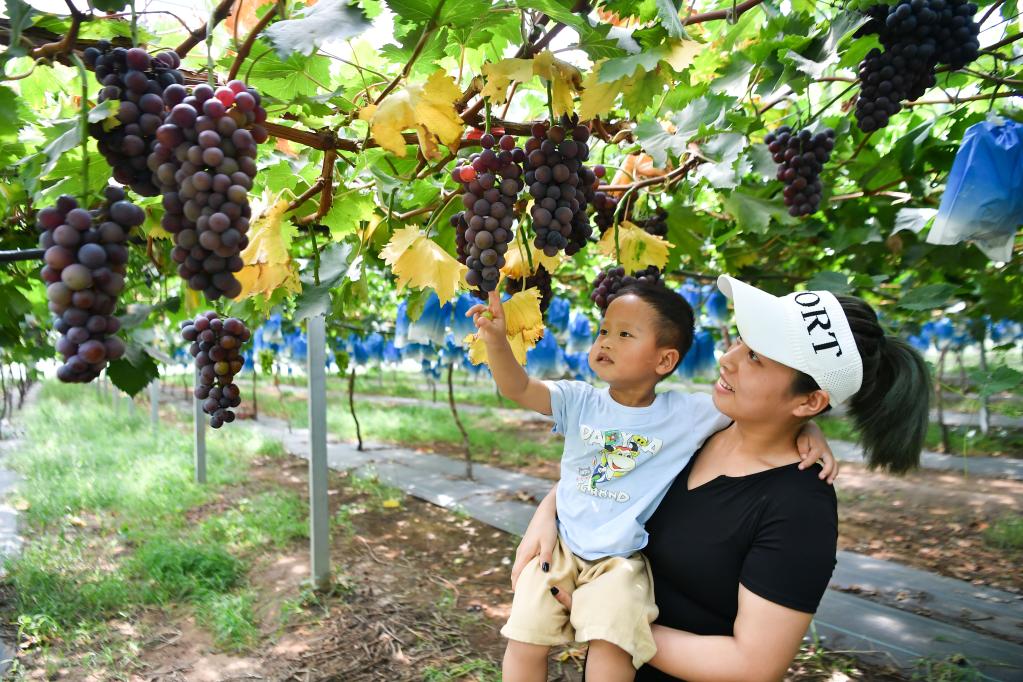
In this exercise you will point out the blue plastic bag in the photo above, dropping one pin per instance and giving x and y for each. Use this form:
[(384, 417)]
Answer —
[(431, 327), (983, 199)]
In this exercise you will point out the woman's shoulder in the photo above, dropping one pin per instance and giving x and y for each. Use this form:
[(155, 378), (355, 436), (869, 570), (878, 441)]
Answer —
[(794, 495)]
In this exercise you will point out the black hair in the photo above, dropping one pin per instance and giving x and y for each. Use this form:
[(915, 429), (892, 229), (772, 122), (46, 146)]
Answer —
[(891, 409), (675, 319)]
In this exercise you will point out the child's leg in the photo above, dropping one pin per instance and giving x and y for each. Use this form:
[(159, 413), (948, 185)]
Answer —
[(607, 662), (524, 662)]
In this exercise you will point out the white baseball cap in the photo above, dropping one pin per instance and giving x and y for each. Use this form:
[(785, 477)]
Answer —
[(806, 330)]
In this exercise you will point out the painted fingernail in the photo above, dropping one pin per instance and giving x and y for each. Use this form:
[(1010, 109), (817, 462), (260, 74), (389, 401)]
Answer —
[(554, 591), (545, 567)]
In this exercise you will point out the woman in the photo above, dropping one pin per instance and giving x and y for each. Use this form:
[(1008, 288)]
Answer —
[(743, 544)]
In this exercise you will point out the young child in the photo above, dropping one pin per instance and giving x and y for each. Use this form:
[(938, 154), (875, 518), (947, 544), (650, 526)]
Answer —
[(623, 447)]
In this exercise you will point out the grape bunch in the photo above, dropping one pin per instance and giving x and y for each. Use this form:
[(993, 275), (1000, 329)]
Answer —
[(916, 35), (801, 157), (85, 267), (655, 224), (604, 205), (216, 347), (561, 186), (204, 160), (137, 82), (490, 182), (541, 279), (610, 280)]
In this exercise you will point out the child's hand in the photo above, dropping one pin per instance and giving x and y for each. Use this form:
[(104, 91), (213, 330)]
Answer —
[(813, 446), (489, 319)]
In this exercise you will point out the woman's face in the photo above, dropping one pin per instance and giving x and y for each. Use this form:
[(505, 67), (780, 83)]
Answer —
[(754, 388)]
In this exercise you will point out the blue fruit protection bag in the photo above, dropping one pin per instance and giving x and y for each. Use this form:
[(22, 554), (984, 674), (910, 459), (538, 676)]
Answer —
[(983, 200)]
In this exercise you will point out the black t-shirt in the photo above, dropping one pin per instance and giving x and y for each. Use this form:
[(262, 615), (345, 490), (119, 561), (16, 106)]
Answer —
[(775, 532)]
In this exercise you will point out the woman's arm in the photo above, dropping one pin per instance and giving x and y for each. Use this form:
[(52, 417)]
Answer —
[(540, 537), (765, 641)]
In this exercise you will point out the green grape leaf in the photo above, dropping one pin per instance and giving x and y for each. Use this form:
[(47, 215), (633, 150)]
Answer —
[(997, 380), (668, 15), (451, 12), (287, 79), (335, 261), (326, 20), (132, 377), (346, 212), (927, 297), (557, 11), (913, 219), (755, 214), (835, 282)]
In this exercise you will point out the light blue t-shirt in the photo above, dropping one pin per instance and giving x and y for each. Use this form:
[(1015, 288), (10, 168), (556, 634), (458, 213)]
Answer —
[(619, 461)]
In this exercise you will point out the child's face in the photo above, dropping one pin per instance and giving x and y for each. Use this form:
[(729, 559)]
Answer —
[(626, 349)]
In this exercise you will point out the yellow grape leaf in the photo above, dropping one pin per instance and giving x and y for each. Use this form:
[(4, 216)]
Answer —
[(268, 265), (565, 79), (682, 53), (598, 98), (516, 263), (638, 247), (428, 107), (524, 323), (420, 262), (391, 503), (500, 75)]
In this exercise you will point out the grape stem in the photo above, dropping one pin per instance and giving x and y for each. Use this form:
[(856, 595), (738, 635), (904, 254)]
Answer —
[(83, 118), (550, 103), (134, 25), (246, 48), (210, 77)]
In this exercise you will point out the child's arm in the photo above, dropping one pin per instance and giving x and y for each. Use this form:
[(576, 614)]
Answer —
[(814, 446), (511, 379)]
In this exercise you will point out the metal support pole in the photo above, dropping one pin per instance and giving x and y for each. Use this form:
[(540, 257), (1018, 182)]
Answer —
[(154, 403), (200, 437), (319, 515)]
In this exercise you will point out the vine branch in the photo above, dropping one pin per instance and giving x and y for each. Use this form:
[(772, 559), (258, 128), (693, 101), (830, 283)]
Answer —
[(222, 11), (250, 40)]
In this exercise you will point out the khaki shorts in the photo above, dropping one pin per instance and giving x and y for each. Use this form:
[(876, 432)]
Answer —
[(612, 600)]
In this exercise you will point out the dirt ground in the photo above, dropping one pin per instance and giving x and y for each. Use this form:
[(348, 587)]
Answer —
[(420, 594)]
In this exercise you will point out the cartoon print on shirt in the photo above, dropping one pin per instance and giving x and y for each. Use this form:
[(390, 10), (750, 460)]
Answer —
[(618, 455)]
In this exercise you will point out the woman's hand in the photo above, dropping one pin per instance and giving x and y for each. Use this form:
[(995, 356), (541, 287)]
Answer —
[(813, 446), (539, 539), (489, 319)]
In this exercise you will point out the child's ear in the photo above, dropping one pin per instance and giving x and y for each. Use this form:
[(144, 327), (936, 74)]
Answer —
[(667, 361), (812, 404)]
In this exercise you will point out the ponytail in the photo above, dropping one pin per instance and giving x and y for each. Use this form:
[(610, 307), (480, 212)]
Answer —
[(892, 408)]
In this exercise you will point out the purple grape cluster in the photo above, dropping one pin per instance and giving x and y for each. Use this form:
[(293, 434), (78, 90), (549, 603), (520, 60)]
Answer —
[(561, 186), (137, 82), (655, 224), (801, 157), (490, 182), (85, 266), (204, 160), (610, 280), (916, 35), (541, 279), (216, 347)]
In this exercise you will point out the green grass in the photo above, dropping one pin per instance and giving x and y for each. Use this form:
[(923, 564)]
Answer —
[(272, 519), (479, 669), (231, 618), (1006, 533), (116, 524), (424, 426), (996, 442)]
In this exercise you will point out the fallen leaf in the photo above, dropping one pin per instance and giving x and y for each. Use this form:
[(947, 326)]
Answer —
[(420, 262), (428, 107), (637, 248), (391, 504), (268, 265)]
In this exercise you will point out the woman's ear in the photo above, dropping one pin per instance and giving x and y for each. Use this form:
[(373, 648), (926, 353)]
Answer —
[(812, 404), (668, 361)]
